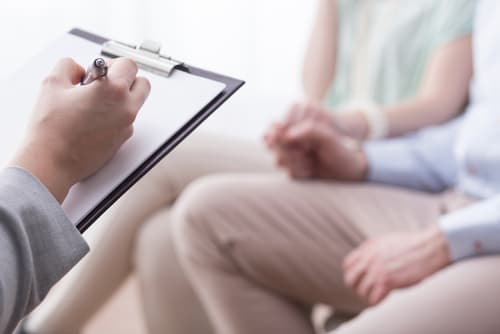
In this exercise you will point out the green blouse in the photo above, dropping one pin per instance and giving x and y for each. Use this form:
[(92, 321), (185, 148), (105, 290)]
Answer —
[(385, 46)]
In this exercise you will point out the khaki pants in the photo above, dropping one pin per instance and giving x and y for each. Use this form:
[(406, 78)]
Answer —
[(260, 250), (136, 236)]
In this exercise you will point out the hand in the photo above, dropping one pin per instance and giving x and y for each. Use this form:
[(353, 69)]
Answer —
[(298, 112), (308, 144), (353, 124), (76, 129), (350, 123), (395, 261)]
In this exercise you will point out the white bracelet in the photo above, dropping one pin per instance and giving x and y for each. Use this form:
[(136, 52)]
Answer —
[(376, 118)]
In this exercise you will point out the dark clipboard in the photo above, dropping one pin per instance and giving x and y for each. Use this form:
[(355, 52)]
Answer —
[(231, 86)]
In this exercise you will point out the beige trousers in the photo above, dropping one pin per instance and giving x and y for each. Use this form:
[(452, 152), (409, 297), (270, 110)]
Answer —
[(137, 236), (261, 250)]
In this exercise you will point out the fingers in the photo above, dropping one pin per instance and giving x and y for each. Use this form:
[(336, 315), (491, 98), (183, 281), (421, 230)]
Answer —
[(354, 274), (377, 294), (139, 91), (307, 110), (364, 277), (296, 113), (307, 134), (67, 72), (297, 163), (124, 71), (366, 283), (274, 136)]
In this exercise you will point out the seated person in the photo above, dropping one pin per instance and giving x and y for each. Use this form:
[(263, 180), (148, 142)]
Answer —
[(405, 231), (389, 78)]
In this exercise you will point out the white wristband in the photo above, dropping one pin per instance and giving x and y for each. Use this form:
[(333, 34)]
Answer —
[(378, 126)]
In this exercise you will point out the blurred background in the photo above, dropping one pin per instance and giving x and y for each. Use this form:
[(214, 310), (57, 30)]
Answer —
[(259, 41)]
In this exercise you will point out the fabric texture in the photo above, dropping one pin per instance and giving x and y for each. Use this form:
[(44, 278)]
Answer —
[(261, 250), (39, 245), (385, 46)]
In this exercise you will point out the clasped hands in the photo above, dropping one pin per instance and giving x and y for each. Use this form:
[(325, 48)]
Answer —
[(311, 142)]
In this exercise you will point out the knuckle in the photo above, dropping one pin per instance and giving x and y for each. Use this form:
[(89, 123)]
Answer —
[(65, 61), (119, 87), (127, 133), (295, 105), (130, 116), (145, 86), (50, 80), (129, 63), (147, 83)]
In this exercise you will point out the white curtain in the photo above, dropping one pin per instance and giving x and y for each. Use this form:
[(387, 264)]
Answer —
[(261, 41)]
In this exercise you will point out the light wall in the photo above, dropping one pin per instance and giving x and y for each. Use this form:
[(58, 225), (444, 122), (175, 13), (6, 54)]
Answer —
[(260, 41)]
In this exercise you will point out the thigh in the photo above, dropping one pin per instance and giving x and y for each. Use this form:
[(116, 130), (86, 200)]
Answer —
[(204, 154), (461, 299), (291, 237), (199, 155)]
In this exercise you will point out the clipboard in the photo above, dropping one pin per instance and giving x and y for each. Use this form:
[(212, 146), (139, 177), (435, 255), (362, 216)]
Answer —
[(150, 59), (231, 86)]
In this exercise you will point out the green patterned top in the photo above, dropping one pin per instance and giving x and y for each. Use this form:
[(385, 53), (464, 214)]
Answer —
[(385, 46)]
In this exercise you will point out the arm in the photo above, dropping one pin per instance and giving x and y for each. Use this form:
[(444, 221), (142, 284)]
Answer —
[(423, 161), (308, 144), (442, 95), (30, 220), (319, 65), (75, 130), (402, 259)]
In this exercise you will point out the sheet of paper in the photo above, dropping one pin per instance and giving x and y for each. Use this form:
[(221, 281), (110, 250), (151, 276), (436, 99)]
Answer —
[(172, 102)]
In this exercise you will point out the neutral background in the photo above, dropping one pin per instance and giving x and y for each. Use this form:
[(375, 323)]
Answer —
[(260, 41)]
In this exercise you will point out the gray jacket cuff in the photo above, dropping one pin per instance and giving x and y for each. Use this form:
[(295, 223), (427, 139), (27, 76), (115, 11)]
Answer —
[(54, 243)]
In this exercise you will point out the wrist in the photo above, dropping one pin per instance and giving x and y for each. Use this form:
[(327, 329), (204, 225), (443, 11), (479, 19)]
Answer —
[(359, 161), (47, 168), (437, 246), (353, 124), (362, 170)]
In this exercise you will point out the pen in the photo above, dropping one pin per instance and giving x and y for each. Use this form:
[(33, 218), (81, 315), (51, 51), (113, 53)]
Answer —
[(96, 70)]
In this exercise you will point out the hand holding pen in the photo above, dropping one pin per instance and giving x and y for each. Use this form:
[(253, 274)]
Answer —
[(98, 69), (76, 129)]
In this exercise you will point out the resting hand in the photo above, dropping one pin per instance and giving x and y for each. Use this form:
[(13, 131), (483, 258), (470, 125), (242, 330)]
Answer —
[(308, 144), (76, 129), (395, 261)]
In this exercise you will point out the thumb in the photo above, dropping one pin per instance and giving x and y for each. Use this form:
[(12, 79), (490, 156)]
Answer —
[(68, 72)]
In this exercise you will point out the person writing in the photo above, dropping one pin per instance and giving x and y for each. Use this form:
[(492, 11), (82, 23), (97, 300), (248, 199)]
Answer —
[(74, 130)]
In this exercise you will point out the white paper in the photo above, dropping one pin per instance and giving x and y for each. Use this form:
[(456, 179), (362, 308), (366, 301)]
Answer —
[(172, 102)]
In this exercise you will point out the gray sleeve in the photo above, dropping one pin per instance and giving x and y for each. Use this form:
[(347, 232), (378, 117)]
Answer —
[(422, 161), (38, 245)]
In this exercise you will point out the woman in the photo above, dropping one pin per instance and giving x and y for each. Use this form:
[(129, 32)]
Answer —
[(395, 66)]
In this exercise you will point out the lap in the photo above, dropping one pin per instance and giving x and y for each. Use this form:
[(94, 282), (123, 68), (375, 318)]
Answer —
[(461, 299), (291, 237)]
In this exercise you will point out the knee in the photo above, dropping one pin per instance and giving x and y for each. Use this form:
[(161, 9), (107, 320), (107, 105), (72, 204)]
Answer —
[(201, 213)]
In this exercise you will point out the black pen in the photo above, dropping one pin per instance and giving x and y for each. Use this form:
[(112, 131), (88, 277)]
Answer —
[(96, 70)]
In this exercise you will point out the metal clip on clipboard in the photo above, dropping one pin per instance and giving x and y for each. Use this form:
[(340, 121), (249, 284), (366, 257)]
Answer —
[(147, 56)]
